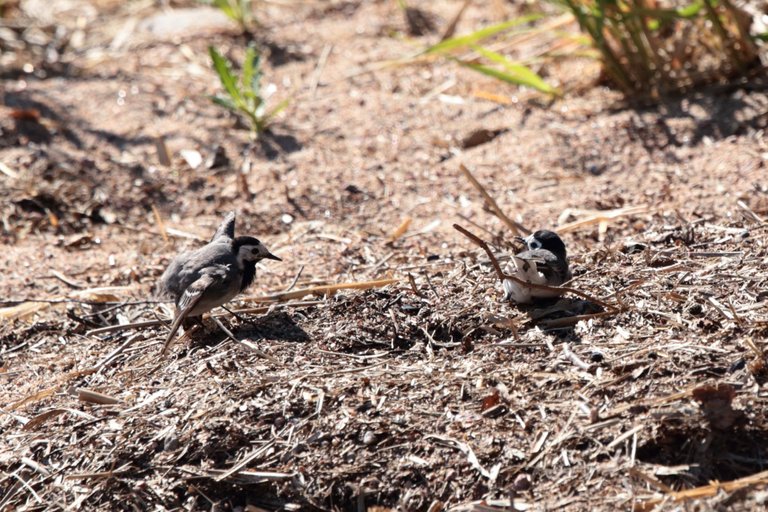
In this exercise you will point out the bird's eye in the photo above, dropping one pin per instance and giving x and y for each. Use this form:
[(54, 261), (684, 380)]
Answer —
[(534, 244), (254, 251)]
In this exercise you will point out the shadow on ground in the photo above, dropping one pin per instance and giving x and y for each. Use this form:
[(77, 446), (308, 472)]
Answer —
[(708, 454), (273, 326)]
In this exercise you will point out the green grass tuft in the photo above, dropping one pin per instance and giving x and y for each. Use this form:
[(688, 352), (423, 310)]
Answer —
[(493, 64), (244, 95)]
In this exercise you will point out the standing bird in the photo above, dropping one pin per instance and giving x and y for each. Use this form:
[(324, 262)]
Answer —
[(544, 262), (212, 275)]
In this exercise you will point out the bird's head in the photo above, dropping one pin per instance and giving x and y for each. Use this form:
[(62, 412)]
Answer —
[(547, 240), (249, 249)]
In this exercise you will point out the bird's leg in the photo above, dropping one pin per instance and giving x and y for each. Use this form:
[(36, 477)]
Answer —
[(190, 322), (239, 317)]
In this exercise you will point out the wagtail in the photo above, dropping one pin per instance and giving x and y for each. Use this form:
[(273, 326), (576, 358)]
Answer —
[(211, 276), (544, 262)]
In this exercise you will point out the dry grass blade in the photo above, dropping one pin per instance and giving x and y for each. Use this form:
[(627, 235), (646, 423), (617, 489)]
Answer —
[(707, 490), (125, 327), (451, 28), (104, 293), (401, 229), (45, 393), (651, 480), (99, 474), (8, 171), (481, 243), (247, 460), (35, 466), (490, 96), (22, 310), (491, 203), (598, 217), (466, 449), (160, 223), (42, 418), (295, 279), (321, 290), (94, 397)]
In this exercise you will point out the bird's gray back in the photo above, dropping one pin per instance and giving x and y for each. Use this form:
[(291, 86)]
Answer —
[(187, 267)]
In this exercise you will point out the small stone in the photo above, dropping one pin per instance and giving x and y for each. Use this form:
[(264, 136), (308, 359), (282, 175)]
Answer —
[(369, 438), (522, 482), (217, 158), (171, 442), (192, 157)]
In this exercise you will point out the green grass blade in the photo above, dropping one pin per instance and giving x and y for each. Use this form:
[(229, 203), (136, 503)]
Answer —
[(691, 10), (278, 108), (250, 64), (474, 37), (687, 12), (515, 72), (225, 7), (227, 79), (528, 80), (223, 102)]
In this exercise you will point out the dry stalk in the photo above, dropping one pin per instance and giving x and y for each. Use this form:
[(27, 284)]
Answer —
[(599, 217), (451, 28), (321, 290), (160, 224), (491, 203), (400, 230), (697, 493)]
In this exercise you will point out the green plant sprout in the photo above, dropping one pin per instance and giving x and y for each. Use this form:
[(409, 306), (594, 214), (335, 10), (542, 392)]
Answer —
[(244, 95), (240, 11)]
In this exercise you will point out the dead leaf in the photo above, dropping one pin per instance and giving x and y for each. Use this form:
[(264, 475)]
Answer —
[(479, 137), (26, 114), (491, 400)]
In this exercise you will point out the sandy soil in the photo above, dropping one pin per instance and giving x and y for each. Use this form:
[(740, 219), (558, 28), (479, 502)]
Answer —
[(426, 394)]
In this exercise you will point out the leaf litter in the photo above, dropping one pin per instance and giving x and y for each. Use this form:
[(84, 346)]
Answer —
[(421, 391)]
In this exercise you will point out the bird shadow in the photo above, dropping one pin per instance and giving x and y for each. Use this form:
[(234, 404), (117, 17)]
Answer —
[(560, 314), (277, 325)]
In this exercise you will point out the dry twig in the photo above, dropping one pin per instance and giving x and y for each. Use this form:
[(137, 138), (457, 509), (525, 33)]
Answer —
[(491, 203)]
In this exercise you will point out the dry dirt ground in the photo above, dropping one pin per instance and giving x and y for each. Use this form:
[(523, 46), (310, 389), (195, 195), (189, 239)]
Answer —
[(426, 394)]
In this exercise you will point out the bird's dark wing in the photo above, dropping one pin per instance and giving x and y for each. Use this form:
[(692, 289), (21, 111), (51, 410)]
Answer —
[(553, 270), (187, 302), (188, 267), (226, 229)]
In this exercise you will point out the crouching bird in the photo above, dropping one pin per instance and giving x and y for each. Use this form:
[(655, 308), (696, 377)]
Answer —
[(212, 275), (544, 262)]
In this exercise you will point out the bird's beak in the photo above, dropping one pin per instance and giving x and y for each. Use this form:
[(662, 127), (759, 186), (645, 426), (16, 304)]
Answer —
[(520, 239), (271, 256)]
